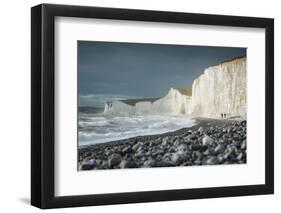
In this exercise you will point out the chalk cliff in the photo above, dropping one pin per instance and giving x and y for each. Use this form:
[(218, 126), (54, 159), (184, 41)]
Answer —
[(174, 103), (220, 89)]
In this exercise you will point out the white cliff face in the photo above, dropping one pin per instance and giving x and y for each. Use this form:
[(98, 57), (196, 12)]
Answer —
[(174, 103), (118, 107), (221, 89)]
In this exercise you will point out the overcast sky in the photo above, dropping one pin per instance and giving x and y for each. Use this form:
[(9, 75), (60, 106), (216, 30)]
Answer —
[(111, 70)]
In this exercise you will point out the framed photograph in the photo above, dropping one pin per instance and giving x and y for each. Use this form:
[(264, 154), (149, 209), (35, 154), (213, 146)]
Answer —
[(139, 106)]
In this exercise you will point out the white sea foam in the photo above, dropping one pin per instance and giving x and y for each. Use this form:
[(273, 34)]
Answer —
[(95, 129)]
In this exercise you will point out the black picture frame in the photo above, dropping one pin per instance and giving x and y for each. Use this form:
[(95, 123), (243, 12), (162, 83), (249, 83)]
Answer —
[(43, 102)]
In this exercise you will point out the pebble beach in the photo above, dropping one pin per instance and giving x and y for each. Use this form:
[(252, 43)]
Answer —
[(209, 142)]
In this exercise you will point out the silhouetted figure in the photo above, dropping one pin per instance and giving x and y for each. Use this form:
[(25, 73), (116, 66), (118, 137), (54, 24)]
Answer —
[(221, 115), (224, 115)]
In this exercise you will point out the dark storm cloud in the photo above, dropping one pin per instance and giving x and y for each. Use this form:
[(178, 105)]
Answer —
[(143, 70)]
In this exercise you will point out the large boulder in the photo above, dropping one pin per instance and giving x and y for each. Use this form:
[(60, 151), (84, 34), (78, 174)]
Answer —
[(114, 160)]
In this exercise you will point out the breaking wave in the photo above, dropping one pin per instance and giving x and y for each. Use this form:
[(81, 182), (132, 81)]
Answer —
[(95, 129)]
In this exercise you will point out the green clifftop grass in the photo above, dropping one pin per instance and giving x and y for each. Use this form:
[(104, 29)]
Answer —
[(133, 102), (183, 90)]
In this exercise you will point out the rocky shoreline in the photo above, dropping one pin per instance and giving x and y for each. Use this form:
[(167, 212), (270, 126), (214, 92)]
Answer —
[(209, 142)]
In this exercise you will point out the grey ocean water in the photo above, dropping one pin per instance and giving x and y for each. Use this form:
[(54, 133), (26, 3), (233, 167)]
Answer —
[(95, 127)]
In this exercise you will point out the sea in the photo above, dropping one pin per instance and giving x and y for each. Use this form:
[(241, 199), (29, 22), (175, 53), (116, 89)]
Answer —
[(95, 127)]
